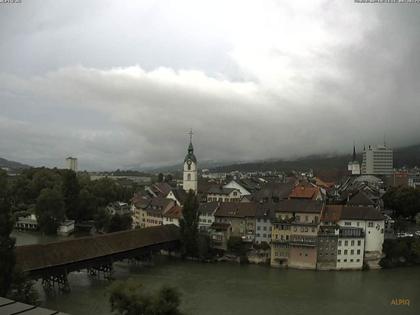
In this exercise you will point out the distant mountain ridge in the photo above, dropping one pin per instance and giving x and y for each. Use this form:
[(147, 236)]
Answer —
[(323, 164), (13, 165)]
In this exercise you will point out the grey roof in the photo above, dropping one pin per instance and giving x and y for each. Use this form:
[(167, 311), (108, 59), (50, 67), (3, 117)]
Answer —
[(300, 205), (236, 209), (8, 307), (360, 199), (208, 208), (190, 154), (361, 213), (266, 210)]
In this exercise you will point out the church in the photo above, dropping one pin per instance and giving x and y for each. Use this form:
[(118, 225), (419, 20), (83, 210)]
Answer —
[(190, 177)]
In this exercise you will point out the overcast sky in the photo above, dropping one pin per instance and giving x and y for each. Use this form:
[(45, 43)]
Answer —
[(118, 84)]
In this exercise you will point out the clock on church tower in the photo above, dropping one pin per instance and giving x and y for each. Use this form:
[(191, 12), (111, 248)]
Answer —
[(190, 169)]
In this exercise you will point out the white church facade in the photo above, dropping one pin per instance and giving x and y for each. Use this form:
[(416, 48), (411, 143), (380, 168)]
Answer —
[(190, 177)]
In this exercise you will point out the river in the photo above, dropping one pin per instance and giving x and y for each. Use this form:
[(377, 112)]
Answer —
[(232, 289)]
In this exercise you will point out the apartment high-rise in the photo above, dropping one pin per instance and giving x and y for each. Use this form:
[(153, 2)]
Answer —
[(378, 160), (72, 163)]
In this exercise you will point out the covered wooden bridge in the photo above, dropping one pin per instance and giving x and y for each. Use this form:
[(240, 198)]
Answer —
[(52, 262)]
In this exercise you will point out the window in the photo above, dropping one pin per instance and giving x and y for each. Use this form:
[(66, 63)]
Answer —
[(351, 260), (189, 167), (352, 243), (339, 252), (370, 224), (345, 252), (359, 243), (306, 218), (346, 243), (347, 223), (345, 260), (352, 252), (338, 260), (358, 252), (357, 259), (339, 243)]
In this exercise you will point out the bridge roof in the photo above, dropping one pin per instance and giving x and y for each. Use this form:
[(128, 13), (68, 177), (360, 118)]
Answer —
[(40, 256)]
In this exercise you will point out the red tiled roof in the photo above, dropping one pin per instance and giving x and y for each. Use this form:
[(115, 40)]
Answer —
[(303, 192), (175, 212)]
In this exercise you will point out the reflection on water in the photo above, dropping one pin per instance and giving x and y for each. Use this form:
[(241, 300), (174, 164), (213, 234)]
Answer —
[(248, 289)]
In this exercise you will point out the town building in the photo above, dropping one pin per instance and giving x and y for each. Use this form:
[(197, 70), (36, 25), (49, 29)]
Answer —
[(172, 215), (294, 233), (222, 194), (264, 214), (206, 215), (28, 222), (71, 163), (377, 160), (66, 228), (240, 216), (307, 191), (236, 185)]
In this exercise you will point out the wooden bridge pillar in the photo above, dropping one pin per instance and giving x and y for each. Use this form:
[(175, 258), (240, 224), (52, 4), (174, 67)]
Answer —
[(56, 280)]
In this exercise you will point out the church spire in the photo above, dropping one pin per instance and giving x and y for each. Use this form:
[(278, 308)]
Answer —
[(190, 153), (354, 151)]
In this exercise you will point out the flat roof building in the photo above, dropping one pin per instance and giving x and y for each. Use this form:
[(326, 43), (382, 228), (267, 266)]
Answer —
[(378, 160)]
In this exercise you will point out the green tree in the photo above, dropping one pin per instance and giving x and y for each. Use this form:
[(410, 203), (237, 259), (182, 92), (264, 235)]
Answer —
[(22, 289), (102, 219), (404, 201), (50, 210), (189, 225), (236, 245), (130, 298), (160, 178), (87, 205), (13, 283), (120, 222), (7, 261), (71, 191)]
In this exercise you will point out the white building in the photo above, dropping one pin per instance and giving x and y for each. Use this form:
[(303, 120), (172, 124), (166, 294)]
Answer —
[(377, 160), (234, 184), (29, 222), (190, 179), (372, 223), (223, 194), (350, 248), (263, 225), (173, 215), (71, 163), (66, 228), (206, 215)]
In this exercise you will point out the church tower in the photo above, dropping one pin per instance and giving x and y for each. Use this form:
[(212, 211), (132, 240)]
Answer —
[(190, 169)]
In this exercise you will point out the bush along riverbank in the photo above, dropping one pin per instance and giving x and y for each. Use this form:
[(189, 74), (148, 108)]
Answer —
[(401, 252)]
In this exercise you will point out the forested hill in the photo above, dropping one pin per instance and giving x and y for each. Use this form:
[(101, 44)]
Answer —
[(406, 156), (12, 164)]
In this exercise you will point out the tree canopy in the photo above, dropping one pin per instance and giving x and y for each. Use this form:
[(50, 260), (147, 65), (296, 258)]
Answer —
[(404, 201), (130, 298), (189, 225)]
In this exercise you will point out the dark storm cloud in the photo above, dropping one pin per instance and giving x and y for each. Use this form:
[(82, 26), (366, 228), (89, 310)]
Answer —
[(119, 86)]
